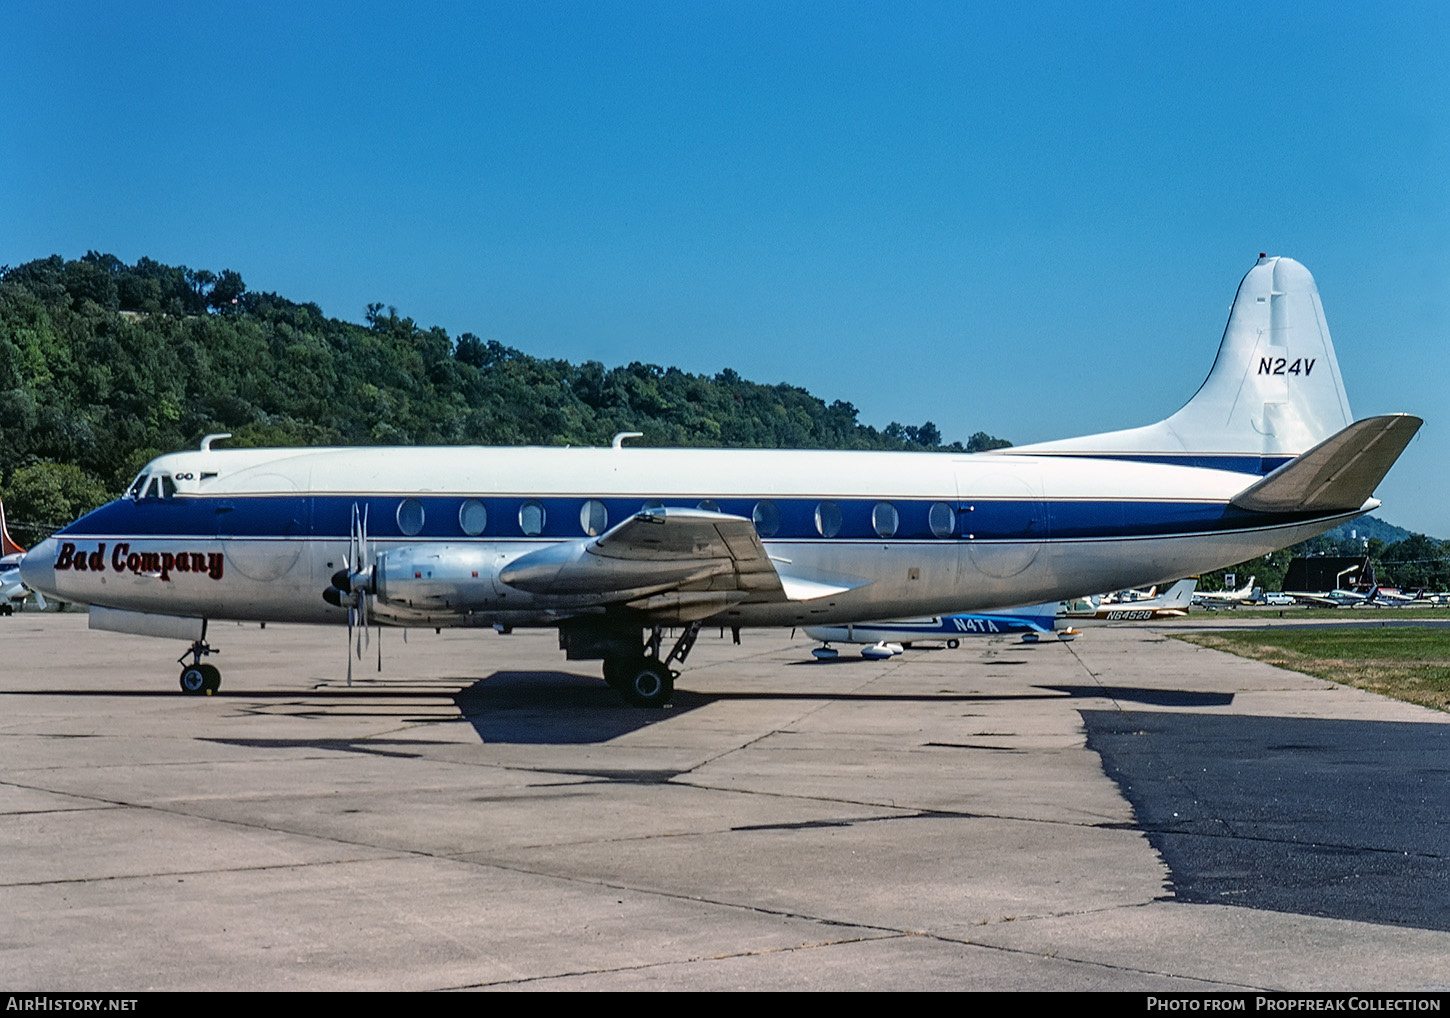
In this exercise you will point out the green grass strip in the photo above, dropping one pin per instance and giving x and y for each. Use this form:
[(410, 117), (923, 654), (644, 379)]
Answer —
[(1411, 664)]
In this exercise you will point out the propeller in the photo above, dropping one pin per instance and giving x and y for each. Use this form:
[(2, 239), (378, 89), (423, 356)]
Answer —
[(352, 586)]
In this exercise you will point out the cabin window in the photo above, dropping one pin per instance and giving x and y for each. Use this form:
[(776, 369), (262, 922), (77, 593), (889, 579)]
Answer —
[(828, 519), (472, 517), (410, 516), (942, 519), (134, 492), (766, 518), (168, 486), (885, 519), (593, 517), (531, 517), (709, 505)]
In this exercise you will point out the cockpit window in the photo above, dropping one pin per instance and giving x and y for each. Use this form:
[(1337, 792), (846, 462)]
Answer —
[(152, 486)]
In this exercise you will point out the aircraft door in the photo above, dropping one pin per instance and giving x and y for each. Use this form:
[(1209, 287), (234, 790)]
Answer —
[(1002, 519), (263, 535)]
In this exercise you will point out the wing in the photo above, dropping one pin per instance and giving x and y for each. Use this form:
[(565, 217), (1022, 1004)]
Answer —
[(687, 562)]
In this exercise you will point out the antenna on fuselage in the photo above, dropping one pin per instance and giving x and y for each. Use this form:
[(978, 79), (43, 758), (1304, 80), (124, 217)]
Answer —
[(620, 437), (217, 437)]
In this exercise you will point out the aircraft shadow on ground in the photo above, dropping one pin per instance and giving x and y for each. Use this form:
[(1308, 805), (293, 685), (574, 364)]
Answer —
[(1156, 697), (1322, 817), (561, 708)]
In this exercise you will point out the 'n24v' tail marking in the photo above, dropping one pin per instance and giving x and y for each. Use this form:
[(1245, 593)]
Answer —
[(1282, 366)]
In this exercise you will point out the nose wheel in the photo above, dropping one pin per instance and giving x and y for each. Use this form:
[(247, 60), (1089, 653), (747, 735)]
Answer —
[(199, 679)]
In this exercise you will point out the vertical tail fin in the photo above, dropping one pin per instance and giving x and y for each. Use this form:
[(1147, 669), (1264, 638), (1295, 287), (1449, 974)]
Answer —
[(1274, 389), (1180, 595), (7, 543)]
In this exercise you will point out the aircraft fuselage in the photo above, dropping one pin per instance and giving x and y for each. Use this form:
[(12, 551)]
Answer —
[(256, 534)]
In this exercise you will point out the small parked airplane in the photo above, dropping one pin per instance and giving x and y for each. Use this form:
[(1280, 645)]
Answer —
[(1333, 598), (1173, 604), (1392, 597), (1226, 598), (892, 637), (612, 546), (12, 590)]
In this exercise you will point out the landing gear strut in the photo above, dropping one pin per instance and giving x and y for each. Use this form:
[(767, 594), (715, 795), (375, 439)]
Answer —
[(198, 679), (645, 680)]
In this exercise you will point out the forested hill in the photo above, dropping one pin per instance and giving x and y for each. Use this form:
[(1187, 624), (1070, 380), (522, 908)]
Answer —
[(104, 365)]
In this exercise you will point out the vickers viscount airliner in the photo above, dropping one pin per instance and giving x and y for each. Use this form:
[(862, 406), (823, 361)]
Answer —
[(613, 546)]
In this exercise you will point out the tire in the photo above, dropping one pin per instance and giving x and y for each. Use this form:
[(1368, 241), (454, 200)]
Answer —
[(953, 644), (647, 683), (213, 679), (193, 680)]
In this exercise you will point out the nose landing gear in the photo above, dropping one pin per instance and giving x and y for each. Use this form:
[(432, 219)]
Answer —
[(199, 679)]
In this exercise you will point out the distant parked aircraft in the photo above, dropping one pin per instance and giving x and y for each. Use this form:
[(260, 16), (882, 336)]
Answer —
[(1170, 605), (1225, 598)]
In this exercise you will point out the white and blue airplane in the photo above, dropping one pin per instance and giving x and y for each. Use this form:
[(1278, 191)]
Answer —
[(889, 638), (613, 546)]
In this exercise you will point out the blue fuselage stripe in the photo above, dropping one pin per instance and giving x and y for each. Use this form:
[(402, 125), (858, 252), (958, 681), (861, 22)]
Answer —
[(329, 517)]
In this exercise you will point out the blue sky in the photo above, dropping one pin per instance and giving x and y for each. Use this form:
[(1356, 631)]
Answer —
[(1024, 222)]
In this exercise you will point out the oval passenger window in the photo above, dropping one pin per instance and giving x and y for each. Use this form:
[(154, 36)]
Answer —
[(410, 516), (531, 517), (472, 517)]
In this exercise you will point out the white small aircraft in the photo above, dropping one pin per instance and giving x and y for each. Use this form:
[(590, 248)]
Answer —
[(1226, 598), (613, 546), (1172, 604)]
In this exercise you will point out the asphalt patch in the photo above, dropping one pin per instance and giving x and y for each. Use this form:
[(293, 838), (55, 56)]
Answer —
[(1344, 819)]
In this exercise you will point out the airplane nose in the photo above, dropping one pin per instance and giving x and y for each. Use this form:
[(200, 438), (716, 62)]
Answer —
[(37, 567)]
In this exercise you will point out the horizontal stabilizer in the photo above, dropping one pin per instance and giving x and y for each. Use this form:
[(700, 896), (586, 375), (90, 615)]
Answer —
[(1340, 473)]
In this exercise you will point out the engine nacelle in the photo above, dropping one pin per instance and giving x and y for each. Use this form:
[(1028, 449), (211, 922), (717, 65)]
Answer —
[(439, 577)]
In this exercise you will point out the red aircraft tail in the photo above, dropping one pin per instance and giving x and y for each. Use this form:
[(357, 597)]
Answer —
[(7, 543)]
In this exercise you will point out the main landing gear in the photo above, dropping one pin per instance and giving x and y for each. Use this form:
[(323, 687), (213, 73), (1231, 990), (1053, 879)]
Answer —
[(643, 679), (198, 679)]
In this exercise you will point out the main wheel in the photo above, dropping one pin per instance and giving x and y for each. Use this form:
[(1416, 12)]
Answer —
[(647, 683), (616, 673), (193, 680)]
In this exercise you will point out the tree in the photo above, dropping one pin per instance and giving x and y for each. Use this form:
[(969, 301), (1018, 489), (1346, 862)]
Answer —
[(43, 497)]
